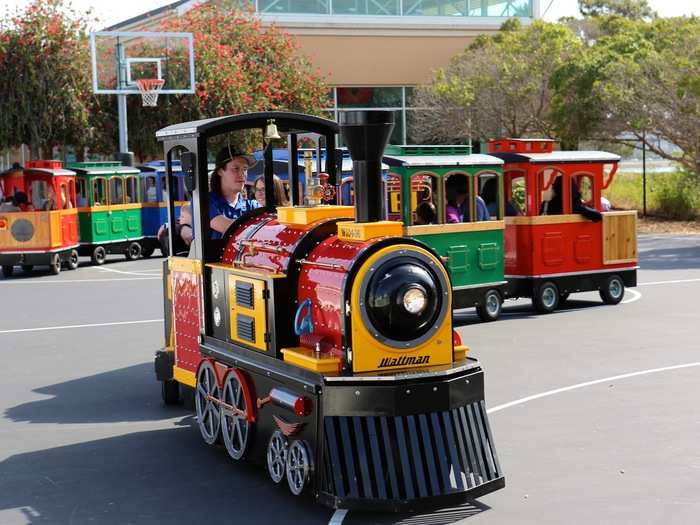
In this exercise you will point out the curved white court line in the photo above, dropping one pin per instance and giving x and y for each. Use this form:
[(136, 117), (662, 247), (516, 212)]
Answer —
[(63, 281), (588, 383), (669, 282), (123, 272), (66, 327), (636, 296), (338, 517)]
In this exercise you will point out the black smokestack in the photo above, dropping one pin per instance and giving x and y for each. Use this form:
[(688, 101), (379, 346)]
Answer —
[(366, 134)]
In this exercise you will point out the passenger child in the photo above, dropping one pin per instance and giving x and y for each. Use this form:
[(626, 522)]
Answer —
[(426, 213)]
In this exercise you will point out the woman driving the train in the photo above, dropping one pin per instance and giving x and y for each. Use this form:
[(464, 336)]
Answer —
[(227, 200)]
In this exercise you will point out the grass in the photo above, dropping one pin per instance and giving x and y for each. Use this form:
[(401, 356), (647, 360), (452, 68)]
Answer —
[(669, 195)]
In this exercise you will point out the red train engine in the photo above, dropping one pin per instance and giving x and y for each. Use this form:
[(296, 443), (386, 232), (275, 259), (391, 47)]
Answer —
[(322, 346), (552, 251)]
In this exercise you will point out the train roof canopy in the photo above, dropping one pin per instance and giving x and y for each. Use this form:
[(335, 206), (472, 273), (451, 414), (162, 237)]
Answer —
[(442, 160), (52, 168), (102, 168), (559, 157), (285, 121)]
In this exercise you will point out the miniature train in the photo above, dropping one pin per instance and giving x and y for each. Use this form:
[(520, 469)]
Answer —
[(322, 346), (90, 209)]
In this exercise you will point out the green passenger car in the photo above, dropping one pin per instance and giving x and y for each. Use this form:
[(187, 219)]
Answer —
[(109, 209), (421, 191)]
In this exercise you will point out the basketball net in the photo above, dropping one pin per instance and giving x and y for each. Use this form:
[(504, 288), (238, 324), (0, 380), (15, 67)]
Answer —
[(150, 88)]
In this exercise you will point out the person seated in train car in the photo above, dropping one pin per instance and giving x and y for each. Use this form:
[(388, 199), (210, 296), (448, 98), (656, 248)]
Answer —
[(151, 190), (49, 204), (456, 192), (184, 233), (281, 198), (553, 202), (426, 213), (65, 199), (227, 200), (18, 202), (489, 192), (482, 212)]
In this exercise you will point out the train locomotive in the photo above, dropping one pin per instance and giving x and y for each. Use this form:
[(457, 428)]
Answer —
[(318, 339)]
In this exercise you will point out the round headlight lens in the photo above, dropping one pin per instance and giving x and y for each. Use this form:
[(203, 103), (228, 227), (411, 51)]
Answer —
[(415, 300)]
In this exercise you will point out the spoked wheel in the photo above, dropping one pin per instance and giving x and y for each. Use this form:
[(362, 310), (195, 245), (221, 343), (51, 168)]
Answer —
[(8, 270), (207, 411), (613, 291), (170, 391), (99, 255), (73, 260), (277, 456), (546, 298), (235, 427), (55, 265), (491, 309), (133, 251), (27, 268), (298, 467)]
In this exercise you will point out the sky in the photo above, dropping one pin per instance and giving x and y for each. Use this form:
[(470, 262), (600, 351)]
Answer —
[(111, 13)]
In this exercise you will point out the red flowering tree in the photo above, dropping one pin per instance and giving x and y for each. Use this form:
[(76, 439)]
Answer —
[(240, 67), (45, 89)]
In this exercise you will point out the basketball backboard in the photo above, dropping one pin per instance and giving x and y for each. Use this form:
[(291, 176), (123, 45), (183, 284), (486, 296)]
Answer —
[(121, 58)]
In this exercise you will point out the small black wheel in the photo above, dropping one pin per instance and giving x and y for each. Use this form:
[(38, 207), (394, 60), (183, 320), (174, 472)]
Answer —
[(99, 255), (73, 260), (546, 298), (147, 251), (8, 270), (170, 391), (133, 251), (613, 291), (490, 310), (27, 268), (55, 265)]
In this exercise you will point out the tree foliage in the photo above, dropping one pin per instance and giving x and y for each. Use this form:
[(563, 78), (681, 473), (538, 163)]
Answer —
[(501, 84), (630, 9), (44, 78)]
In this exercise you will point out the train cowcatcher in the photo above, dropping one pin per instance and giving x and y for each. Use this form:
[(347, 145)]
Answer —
[(318, 345)]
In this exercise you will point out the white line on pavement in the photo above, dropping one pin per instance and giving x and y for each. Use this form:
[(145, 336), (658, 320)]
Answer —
[(120, 271), (636, 296), (669, 282), (338, 517), (588, 383), (63, 281), (66, 327)]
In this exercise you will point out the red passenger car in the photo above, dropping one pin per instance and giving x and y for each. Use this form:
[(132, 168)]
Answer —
[(549, 256)]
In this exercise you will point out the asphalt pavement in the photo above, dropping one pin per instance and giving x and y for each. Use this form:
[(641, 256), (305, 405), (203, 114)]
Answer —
[(593, 409)]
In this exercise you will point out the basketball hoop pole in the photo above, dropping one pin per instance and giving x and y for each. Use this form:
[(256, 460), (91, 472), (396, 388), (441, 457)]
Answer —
[(121, 106)]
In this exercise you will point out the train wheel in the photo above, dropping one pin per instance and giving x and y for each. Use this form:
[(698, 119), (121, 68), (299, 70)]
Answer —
[(147, 251), (55, 265), (170, 392), (133, 251), (99, 255), (8, 270), (298, 467), (235, 427), (207, 411), (73, 260), (27, 268), (491, 309), (546, 298), (277, 456), (613, 291)]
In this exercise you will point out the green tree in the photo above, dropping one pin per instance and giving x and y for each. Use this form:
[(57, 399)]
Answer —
[(240, 67), (631, 9), (44, 78), (501, 84)]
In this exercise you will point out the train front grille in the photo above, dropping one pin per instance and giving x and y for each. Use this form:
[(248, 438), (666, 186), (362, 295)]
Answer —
[(409, 457)]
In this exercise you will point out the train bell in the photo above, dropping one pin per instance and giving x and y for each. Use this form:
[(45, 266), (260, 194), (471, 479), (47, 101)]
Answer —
[(271, 130)]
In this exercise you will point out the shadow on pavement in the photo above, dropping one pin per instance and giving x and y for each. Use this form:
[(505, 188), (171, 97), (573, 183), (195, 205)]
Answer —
[(469, 317), (445, 516), (126, 394), (165, 476)]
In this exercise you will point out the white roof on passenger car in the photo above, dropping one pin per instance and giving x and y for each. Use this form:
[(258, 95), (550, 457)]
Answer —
[(443, 160), (571, 156)]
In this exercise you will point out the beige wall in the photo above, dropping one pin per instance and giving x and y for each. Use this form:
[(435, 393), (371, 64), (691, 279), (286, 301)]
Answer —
[(380, 60)]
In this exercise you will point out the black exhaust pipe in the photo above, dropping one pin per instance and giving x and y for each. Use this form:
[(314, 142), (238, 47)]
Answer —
[(366, 134)]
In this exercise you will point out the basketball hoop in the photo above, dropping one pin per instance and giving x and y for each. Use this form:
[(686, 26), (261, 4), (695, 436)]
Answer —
[(150, 88)]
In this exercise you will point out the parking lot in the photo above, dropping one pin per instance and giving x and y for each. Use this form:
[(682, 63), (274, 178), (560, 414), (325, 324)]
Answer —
[(593, 408)]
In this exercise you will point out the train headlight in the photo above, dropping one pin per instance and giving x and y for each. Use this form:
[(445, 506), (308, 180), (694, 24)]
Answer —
[(404, 298), (415, 299)]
